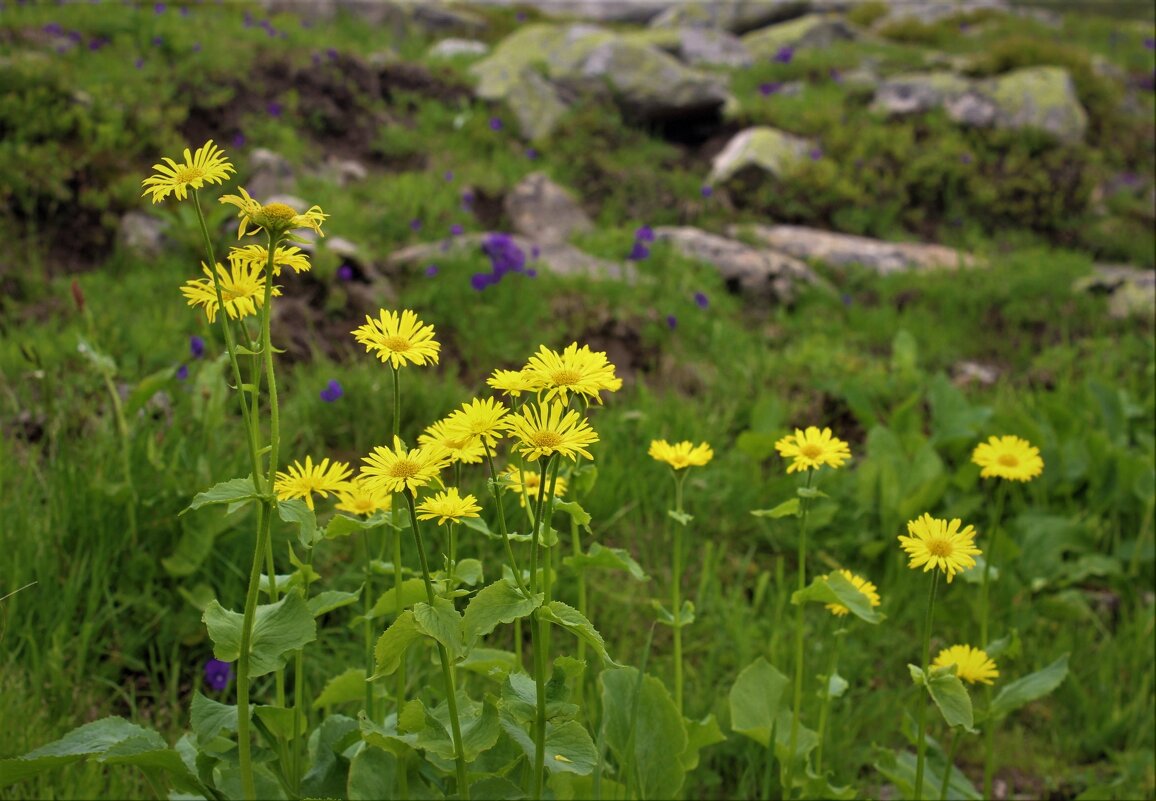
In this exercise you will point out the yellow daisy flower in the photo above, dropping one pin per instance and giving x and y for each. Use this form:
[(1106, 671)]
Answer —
[(863, 585), (812, 448), (552, 429), (461, 446), (448, 505), (1008, 457), (576, 370), (276, 218), (242, 289), (399, 338), (526, 482), (208, 164), (511, 382), (291, 257), (971, 664), (301, 481), (940, 544), (484, 419), (681, 455), (398, 469), (356, 497)]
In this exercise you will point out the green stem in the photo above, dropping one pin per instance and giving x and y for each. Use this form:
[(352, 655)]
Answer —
[(367, 628), (396, 402), (548, 571), (676, 592), (788, 784), (984, 607), (447, 671), (949, 764), (576, 546), (125, 455), (502, 527), (402, 775), (244, 753), (537, 642), (826, 708), (921, 742), (988, 747)]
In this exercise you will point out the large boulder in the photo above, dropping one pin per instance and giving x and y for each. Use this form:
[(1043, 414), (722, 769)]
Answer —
[(536, 104), (917, 93), (930, 12), (813, 30), (736, 16), (1130, 290), (758, 274), (703, 47), (558, 258), (841, 250), (543, 211), (761, 149)]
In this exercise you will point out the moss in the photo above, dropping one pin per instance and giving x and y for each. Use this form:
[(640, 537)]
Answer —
[(867, 14)]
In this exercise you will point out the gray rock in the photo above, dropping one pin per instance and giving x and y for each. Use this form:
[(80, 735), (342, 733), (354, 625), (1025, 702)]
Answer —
[(536, 105), (705, 47), (636, 11), (763, 149), (543, 211), (932, 11), (347, 252), (966, 372), (1131, 291), (813, 30), (842, 250), (142, 234), (561, 259), (755, 273), (452, 48), (916, 93), (736, 16), (269, 174), (344, 171)]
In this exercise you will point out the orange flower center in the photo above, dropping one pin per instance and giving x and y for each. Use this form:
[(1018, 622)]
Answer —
[(546, 439), (1009, 460), (938, 547), (404, 468), (565, 378), (187, 174), (279, 211), (811, 450), (397, 344)]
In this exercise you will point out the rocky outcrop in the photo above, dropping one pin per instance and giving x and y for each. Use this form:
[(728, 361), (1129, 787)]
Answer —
[(1131, 291), (758, 274), (453, 48), (561, 259), (842, 250), (813, 30), (543, 211), (735, 16), (759, 149)]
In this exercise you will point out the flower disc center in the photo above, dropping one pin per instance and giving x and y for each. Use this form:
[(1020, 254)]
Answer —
[(397, 344), (811, 450), (547, 439), (1009, 460), (565, 378), (938, 547)]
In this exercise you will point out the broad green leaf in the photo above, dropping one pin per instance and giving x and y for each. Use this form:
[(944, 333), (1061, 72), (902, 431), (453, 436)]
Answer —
[(1029, 688), (329, 600), (266, 786), (232, 491), (497, 788), (209, 718), (412, 591), (278, 629), (468, 572), (786, 508), (392, 645), (682, 518), (576, 512), (576, 623), (372, 775), (443, 623), (699, 735), (341, 525), (816, 786), (279, 720), (685, 615), (500, 602), (572, 787), (899, 767), (948, 693), (492, 663), (755, 700), (569, 748), (644, 731), (835, 588), (346, 686), (297, 512), (479, 725), (1008, 646), (810, 493), (144, 390), (607, 559)]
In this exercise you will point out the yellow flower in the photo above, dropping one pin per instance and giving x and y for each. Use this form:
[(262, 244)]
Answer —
[(681, 454), (575, 370), (482, 419), (398, 469), (207, 164), (356, 497), (303, 480), (813, 448), (1008, 457), (552, 429), (242, 289), (276, 218), (399, 338), (511, 382), (940, 544), (526, 482), (290, 257), (971, 664), (863, 585), (462, 447), (448, 505)]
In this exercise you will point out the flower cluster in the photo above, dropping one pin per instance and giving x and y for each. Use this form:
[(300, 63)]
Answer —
[(505, 257), (642, 237)]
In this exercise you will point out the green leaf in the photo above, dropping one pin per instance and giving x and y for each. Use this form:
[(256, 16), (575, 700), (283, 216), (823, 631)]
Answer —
[(279, 720), (974, 575), (500, 602), (492, 663), (278, 629), (372, 775), (209, 718), (682, 518), (346, 686), (755, 700), (948, 693), (784, 509), (835, 588), (392, 645), (606, 559), (579, 515), (443, 623), (699, 735), (1008, 645), (836, 686), (479, 725), (112, 741), (329, 600), (296, 511), (144, 390), (412, 591), (341, 525), (569, 748), (329, 773), (235, 490), (468, 572), (899, 767), (576, 623), (810, 493), (496, 788), (644, 730), (102, 362), (685, 615), (1029, 688)]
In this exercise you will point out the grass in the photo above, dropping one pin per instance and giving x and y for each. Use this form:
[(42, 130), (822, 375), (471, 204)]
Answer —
[(113, 627)]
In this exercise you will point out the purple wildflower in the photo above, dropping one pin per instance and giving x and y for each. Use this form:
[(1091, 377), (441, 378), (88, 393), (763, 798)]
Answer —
[(196, 346), (707, 191), (468, 198), (480, 281), (644, 234), (965, 158), (345, 273), (495, 124), (1150, 43), (274, 108), (159, 8), (835, 75), (520, 16), (331, 52), (638, 252), (158, 41), (238, 139), (769, 88), (139, 63), (97, 43), (671, 322), (846, 298), (531, 273), (505, 255), (184, 11), (248, 20), (701, 300), (218, 674), (182, 372), (449, 175), (531, 154), (456, 229), (535, 251), (784, 55), (54, 29), (431, 270), (196, 47), (816, 153), (332, 391), (415, 225)]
